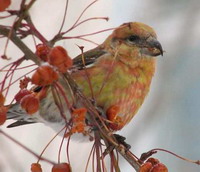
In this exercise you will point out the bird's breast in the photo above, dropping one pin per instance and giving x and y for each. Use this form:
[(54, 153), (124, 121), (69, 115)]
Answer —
[(117, 85)]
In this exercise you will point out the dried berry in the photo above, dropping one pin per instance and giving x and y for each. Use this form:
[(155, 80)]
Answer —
[(44, 75), (62, 167), (30, 104), (115, 120), (42, 51), (59, 58), (3, 111), (159, 168), (21, 94), (153, 161), (4, 4), (146, 167), (2, 99), (36, 167)]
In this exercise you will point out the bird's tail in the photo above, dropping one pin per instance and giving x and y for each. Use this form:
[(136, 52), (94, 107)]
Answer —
[(15, 112)]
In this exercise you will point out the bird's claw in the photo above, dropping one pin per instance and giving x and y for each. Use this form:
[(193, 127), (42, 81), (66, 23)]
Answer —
[(121, 140)]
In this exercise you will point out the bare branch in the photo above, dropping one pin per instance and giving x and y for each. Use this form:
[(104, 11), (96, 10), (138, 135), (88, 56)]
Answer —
[(29, 55)]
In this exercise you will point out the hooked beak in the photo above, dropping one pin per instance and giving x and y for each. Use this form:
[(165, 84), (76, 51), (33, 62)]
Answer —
[(152, 47)]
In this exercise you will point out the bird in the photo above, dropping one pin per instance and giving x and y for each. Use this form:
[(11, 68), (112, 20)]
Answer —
[(117, 75)]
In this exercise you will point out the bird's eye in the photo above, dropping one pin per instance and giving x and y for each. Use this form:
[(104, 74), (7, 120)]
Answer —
[(133, 38)]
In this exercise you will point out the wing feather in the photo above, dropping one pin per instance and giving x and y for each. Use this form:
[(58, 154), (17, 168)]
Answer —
[(89, 58)]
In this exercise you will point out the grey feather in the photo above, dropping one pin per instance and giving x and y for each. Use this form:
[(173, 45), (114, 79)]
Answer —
[(17, 113)]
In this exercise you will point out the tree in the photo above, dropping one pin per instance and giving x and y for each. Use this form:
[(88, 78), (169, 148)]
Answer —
[(23, 27)]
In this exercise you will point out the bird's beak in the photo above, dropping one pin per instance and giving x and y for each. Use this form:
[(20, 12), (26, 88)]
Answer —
[(152, 47), (153, 43)]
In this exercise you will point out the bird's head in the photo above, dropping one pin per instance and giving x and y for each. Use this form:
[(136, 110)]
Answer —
[(135, 40)]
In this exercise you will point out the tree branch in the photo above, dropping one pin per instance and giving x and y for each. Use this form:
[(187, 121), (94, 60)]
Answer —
[(29, 55)]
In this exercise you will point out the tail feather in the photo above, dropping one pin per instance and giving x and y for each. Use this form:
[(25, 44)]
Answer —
[(17, 113), (19, 123)]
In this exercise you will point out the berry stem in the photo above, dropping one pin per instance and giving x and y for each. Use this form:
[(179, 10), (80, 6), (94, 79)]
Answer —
[(25, 148)]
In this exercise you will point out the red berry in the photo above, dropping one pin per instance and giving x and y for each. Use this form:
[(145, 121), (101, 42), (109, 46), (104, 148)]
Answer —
[(146, 167), (42, 51), (2, 99), (4, 4), (44, 75), (30, 104), (62, 167), (59, 58), (116, 122), (159, 168), (3, 111), (153, 161), (21, 94), (35, 167)]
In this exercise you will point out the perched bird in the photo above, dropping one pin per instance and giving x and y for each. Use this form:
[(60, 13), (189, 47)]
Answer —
[(117, 75)]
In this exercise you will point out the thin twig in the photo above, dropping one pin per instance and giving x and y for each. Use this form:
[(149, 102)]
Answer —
[(25, 148), (86, 20), (23, 12), (64, 18), (74, 25), (40, 156), (88, 34), (176, 155)]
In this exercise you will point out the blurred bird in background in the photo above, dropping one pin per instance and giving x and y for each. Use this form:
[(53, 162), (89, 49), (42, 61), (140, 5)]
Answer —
[(117, 75)]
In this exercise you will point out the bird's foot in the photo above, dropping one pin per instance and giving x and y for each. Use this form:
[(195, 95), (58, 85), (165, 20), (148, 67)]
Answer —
[(146, 155), (98, 108), (121, 140)]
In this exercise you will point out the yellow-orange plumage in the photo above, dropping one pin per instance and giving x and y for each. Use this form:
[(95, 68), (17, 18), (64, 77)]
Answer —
[(118, 84)]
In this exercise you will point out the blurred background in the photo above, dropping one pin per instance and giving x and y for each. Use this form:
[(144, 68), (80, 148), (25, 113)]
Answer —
[(170, 116)]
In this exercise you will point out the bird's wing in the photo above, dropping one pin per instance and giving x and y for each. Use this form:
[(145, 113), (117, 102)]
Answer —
[(88, 58)]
